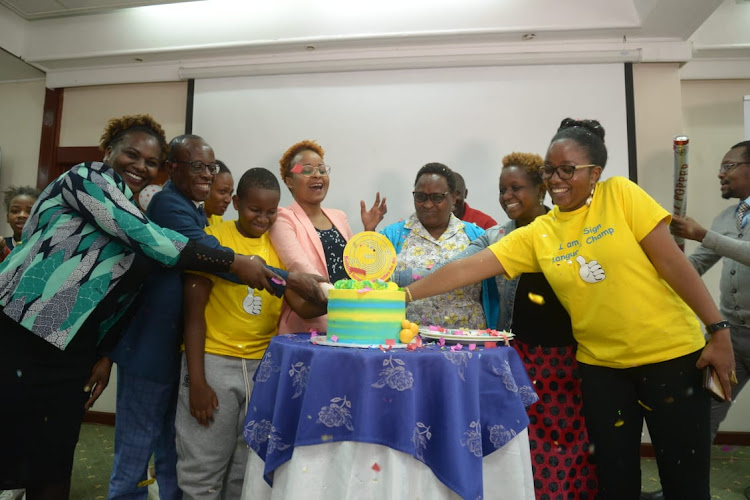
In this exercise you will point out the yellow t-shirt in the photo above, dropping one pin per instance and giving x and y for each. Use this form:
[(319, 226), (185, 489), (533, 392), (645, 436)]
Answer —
[(241, 321), (623, 314), (215, 220)]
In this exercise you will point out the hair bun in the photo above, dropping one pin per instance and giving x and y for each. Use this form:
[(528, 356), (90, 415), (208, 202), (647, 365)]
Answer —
[(592, 126)]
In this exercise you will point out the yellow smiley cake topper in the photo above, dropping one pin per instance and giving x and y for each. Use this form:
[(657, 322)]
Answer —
[(369, 256)]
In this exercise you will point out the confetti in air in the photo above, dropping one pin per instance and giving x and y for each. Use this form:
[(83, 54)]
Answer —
[(536, 299)]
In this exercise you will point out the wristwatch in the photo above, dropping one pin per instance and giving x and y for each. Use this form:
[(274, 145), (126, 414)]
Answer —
[(715, 327)]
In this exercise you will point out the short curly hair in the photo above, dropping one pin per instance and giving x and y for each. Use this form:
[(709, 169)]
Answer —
[(117, 128), (14, 191), (438, 169), (529, 162), (290, 154)]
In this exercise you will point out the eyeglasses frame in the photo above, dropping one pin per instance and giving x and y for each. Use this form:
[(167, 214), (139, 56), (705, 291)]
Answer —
[(557, 171), (725, 168), (428, 196), (203, 166), (316, 170)]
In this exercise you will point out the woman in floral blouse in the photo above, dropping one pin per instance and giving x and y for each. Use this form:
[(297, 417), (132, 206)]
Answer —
[(431, 236)]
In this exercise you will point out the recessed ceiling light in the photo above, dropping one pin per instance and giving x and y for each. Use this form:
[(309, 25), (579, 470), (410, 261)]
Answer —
[(528, 36)]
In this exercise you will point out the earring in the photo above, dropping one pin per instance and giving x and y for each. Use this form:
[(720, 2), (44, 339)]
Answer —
[(591, 196)]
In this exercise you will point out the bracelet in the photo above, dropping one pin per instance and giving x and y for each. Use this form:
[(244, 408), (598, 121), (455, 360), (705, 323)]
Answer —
[(409, 298), (715, 327)]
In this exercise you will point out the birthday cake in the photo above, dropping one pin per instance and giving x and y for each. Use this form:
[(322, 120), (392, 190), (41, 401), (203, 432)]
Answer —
[(365, 312)]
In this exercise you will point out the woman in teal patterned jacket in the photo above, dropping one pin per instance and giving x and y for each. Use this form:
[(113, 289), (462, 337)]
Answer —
[(64, 291)]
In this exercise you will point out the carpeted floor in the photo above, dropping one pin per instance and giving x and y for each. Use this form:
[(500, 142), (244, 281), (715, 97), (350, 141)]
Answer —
[(730, 473), (730, 470)]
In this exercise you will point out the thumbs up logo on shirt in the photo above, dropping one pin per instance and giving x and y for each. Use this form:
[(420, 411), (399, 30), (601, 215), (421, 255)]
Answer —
[(252, 304), (591, 271)]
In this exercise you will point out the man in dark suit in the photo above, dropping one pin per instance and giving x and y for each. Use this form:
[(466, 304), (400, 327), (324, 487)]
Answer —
[(148, 355)]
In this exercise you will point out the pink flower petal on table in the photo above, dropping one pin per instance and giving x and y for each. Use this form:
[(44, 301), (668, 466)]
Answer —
[(313, 334), (456, 347), (434, 328), (390, 342), (472, 347), (441, 342), (334, 338)]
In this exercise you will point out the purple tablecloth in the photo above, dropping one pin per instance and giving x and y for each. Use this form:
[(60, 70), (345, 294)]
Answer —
[(446, 409)]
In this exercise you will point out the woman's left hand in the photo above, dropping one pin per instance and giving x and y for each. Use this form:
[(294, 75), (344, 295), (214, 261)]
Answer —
[(98, 380), (719, 354), (371, 218)]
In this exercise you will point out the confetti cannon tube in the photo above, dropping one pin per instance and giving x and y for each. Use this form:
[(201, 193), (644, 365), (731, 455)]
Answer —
[(680, 147)]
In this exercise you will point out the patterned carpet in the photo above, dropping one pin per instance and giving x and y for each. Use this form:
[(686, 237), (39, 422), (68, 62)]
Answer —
[(730, 470)]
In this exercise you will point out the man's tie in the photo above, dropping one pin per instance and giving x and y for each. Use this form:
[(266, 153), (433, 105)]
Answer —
[(202, 211), (741, 211)]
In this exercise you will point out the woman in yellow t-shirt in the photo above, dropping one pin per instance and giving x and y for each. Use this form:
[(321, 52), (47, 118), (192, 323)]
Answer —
[(606, 250)]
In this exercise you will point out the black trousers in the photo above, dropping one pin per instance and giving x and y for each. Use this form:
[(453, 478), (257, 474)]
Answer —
[(670, 396)]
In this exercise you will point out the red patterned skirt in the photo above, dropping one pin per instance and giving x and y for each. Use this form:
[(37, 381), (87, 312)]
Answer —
[(563, 468)]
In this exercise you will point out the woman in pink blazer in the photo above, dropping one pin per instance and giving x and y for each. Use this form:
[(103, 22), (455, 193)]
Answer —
[(307, 236)]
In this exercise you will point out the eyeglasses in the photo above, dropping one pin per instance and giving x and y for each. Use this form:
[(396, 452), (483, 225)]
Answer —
[(308, 170), (564, 172), (433, 197), (726, 167), (197, 167)]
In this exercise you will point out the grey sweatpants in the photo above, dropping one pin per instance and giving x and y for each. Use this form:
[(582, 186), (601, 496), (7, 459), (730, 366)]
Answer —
[(211, 460)]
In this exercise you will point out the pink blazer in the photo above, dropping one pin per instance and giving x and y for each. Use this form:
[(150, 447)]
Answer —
[(297, 243)]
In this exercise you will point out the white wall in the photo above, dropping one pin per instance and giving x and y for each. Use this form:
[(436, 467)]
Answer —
[(86, 110), (380, 127), (713, 116), (22, 105)]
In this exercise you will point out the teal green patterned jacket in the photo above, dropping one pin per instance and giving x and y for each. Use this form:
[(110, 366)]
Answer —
[(82, 237)]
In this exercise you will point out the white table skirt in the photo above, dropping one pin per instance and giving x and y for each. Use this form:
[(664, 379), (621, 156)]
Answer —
[(344, 470)]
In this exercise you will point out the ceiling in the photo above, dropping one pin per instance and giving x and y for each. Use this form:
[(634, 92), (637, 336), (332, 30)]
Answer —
[(90, 42), (45, 9)]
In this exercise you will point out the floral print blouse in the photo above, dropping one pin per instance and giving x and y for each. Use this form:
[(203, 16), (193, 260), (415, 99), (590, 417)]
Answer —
[(460, 308), (333, 247)]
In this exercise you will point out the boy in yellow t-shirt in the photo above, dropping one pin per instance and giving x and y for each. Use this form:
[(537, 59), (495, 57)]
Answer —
[(227, 329)]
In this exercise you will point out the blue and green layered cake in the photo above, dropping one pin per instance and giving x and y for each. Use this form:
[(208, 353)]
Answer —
[(365, 312)]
